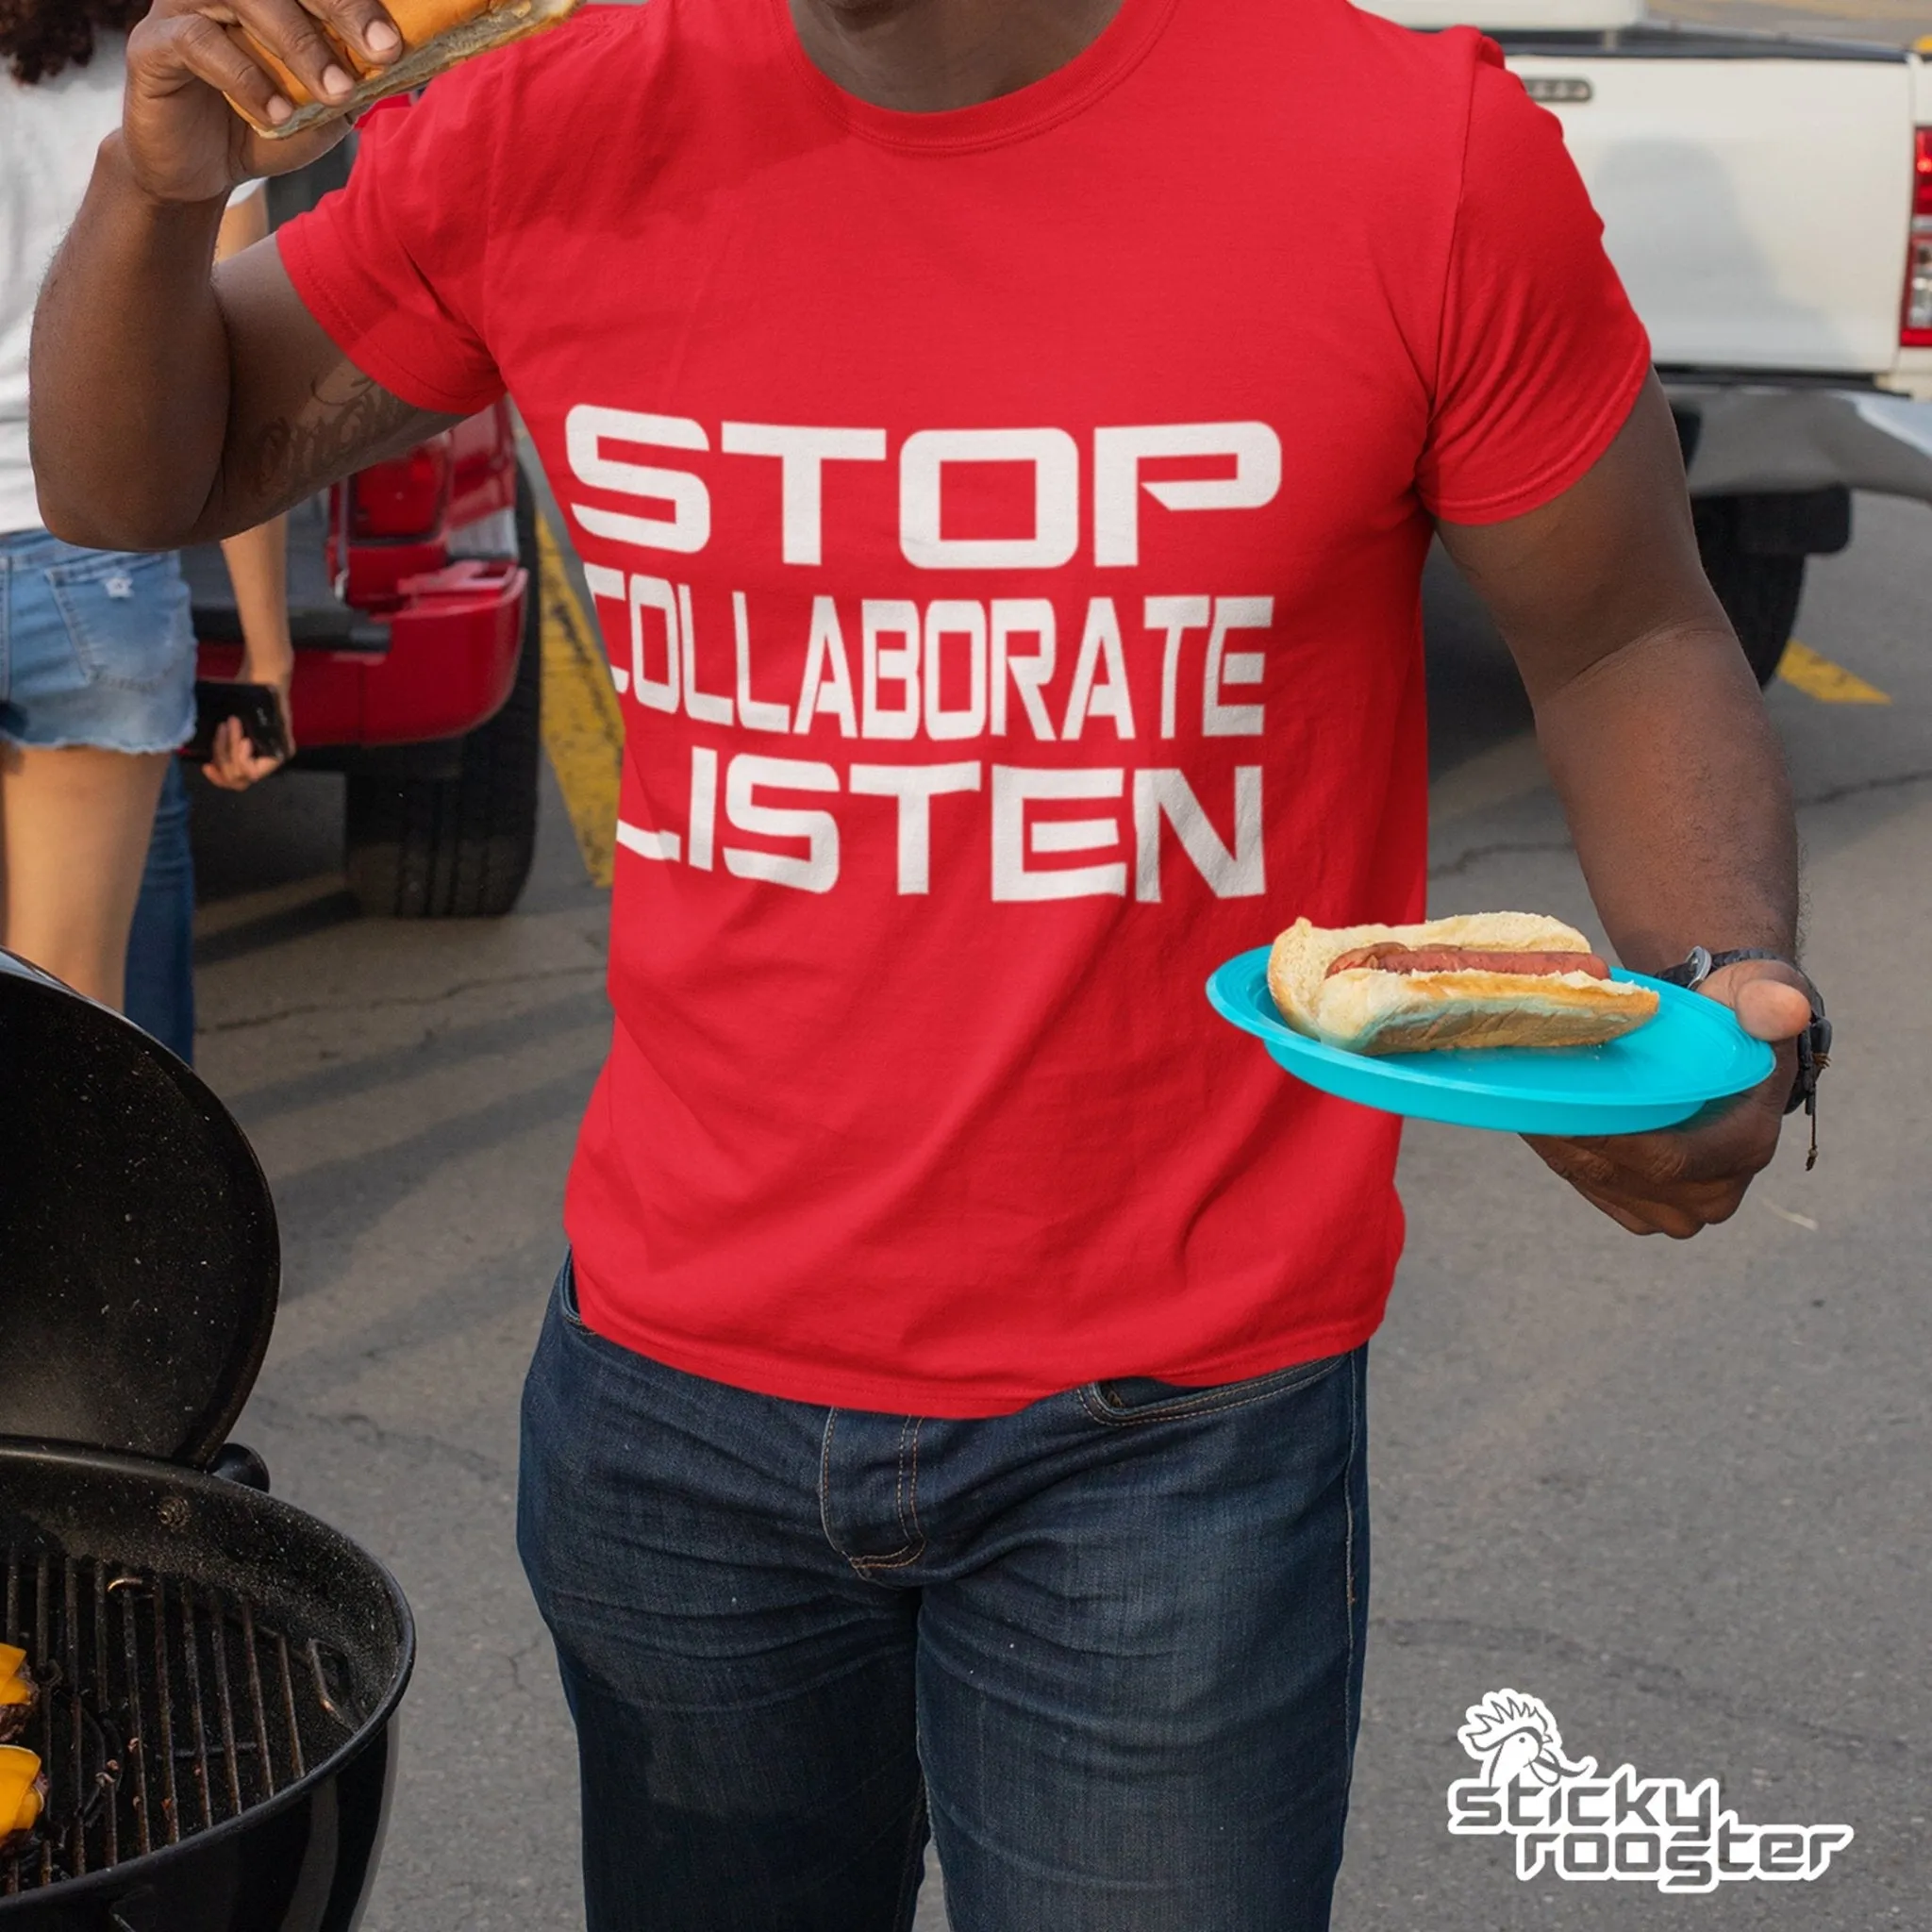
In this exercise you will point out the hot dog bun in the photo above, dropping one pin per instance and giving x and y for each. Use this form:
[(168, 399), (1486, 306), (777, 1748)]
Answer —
[(1364, 1009), (436, 34)]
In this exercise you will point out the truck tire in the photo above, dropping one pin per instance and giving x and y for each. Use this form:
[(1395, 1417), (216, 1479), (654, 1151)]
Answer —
[(1754, 550), (460, 847)]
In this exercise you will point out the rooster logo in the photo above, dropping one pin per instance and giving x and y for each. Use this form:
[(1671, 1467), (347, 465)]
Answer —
[(1512, 1735)]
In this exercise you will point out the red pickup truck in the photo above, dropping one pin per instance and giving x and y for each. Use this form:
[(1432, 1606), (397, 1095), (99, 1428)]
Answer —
[(413, 604)]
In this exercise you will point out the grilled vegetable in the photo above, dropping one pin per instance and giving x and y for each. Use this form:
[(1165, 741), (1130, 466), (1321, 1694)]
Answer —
[(23, 1792), (17, 1693)]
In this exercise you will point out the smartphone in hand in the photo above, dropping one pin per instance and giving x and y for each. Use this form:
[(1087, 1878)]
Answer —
[(258, 708)]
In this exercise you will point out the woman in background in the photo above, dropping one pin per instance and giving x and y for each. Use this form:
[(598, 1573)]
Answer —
[(160, 946), (96, 648)]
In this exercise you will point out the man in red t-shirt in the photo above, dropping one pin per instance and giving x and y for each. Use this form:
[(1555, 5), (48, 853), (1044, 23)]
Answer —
[(1003, 437)]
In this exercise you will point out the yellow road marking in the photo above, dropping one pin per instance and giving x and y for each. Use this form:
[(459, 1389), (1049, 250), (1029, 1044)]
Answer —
[(1819, 677), (583, 728)]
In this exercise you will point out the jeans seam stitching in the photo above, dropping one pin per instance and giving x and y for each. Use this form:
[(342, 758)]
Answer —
[(826, 1481), (1348, 1562), (904, 1554), (914, 1546), (899, 1488)]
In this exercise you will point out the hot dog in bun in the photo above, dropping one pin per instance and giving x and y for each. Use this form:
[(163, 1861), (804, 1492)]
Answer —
[(436, 34), (1481, 979)]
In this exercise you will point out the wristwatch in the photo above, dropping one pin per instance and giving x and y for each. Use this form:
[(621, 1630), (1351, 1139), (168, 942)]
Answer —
[(1814, 1043)]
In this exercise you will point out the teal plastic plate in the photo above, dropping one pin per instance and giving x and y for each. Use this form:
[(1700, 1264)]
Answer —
[(1692, 1053)]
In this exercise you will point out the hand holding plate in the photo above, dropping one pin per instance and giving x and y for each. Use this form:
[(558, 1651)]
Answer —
[(1682, 1180)]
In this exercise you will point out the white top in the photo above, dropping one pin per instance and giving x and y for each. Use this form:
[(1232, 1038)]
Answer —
[(48, 136)]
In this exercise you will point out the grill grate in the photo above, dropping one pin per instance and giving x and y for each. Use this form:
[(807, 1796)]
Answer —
[(166, 1708)]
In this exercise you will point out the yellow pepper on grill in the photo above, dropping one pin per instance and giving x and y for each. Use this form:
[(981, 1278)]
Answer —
[(17, 1692), (23, 1790)]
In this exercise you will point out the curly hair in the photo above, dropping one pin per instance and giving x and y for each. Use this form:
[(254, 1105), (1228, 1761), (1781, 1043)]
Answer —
[(40, 37)]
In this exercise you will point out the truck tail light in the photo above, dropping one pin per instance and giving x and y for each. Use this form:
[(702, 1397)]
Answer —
[(405, 498), (1915, 329)]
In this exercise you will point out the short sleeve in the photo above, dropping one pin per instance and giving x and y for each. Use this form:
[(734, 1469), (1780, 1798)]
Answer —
[(394, 266), (1541, 356)]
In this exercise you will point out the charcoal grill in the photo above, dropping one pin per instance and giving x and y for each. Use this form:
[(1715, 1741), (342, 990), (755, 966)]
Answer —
[(218, 1671)]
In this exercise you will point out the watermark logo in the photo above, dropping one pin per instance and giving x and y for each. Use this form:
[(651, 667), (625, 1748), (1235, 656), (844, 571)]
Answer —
[(1567, 1819)]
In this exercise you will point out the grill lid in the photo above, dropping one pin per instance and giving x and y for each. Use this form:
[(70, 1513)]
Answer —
[(138, 1261)]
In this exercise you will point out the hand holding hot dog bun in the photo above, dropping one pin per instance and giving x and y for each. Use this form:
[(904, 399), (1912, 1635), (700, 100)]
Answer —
[(436, 34), (1479, 979)]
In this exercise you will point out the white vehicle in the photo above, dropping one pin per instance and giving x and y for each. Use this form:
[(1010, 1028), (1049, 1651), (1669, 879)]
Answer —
[(1768, 202)]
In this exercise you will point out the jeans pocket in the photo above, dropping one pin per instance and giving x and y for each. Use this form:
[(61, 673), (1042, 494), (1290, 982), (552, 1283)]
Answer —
[(127, 615), (1127, 1401), (567, 1297)]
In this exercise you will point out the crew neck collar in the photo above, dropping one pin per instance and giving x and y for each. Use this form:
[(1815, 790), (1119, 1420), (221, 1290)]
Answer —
[(1102, 64)]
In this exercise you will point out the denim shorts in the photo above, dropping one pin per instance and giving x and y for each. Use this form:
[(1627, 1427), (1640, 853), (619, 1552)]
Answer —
[(96, 646)]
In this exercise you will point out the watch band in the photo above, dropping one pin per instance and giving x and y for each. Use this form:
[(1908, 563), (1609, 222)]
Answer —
[(1813, 1044)]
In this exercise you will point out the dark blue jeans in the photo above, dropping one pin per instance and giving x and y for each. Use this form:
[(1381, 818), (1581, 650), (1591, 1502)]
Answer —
[(160, 944), (1114, 1642)]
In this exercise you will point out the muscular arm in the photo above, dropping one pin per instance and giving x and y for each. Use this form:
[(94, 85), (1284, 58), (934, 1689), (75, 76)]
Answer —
[(1670, 774), (173, 402), (1670, 778)]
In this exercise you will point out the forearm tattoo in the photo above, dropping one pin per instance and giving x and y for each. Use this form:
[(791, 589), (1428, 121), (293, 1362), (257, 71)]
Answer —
[(349, 420)]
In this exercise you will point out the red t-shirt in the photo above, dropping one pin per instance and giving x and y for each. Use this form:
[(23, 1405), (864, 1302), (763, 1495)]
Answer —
[(1006, 527)]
